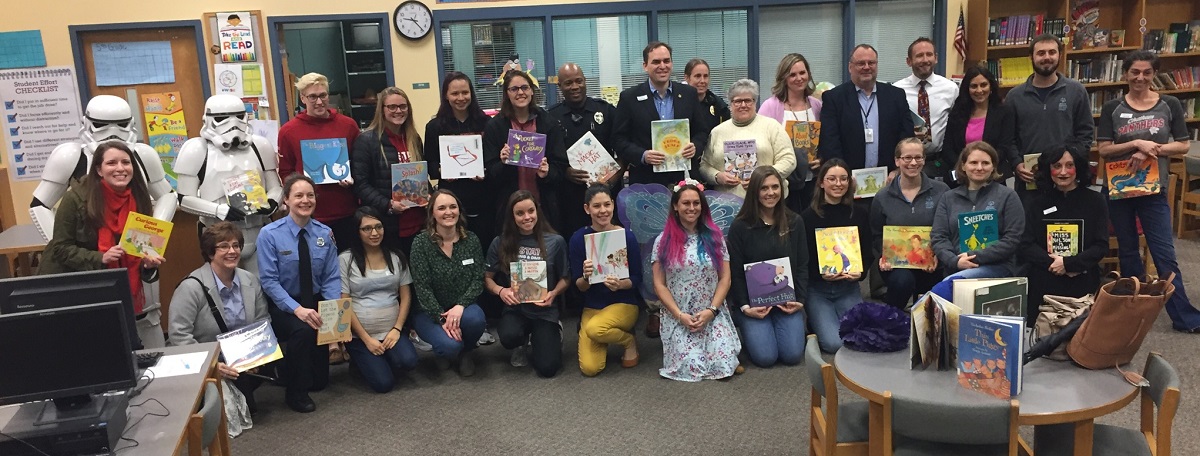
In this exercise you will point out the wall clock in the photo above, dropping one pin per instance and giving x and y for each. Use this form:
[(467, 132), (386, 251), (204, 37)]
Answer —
[(412, 19)]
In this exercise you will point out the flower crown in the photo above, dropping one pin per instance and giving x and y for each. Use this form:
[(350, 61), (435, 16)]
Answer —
[(688, 181)]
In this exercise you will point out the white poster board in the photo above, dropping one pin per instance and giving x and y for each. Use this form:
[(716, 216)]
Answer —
[(41, 110)]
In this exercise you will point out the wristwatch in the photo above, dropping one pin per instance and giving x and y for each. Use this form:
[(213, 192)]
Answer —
[(716, 310)]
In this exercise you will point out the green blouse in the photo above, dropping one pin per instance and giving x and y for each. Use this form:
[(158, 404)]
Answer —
[(443, 282)]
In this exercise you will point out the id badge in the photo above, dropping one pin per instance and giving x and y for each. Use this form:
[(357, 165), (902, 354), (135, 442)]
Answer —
[(869, 135)]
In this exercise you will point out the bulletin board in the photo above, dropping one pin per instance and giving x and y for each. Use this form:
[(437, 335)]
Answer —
[(265, 112)]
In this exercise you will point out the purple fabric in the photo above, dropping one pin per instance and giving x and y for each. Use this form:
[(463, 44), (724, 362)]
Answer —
[(874, 327)]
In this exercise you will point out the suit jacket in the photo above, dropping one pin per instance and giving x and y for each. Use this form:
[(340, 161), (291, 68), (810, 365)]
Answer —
[(999, 130), (192, 322), (842, 125), (631, 133)]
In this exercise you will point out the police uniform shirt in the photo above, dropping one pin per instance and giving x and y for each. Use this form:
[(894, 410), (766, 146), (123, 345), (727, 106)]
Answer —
[(279, 262), (596, 116)]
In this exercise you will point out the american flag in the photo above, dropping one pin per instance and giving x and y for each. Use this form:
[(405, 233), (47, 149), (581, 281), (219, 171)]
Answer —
[(960, 36)]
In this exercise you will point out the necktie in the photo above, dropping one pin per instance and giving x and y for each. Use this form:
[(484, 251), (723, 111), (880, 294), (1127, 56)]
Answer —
[(306, 277), (923, 104)]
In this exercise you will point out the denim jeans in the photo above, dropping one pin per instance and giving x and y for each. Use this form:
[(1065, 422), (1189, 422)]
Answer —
[(377, 369), (906, 284), (827, 302), (778, 337), (1155, 215), (472, 326), (945, 288)]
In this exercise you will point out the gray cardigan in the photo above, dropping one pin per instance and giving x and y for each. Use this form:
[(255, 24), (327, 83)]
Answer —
[(192, 322)]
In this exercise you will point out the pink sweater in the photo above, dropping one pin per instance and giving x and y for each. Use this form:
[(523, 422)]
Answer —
[(774, 107)]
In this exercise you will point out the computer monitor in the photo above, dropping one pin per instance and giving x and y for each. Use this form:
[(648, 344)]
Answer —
[(29, 294)]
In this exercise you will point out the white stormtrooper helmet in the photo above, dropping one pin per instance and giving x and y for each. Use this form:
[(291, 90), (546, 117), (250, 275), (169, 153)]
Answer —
[(225, 122), (106, 118)]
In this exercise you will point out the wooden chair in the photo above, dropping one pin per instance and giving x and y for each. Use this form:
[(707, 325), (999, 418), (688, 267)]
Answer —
[(1188, 207), (207, 428), (917, 427), (1154, 437), (835, 431)]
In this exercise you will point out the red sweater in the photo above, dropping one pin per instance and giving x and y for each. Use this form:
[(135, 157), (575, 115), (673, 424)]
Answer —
[(334, 202)]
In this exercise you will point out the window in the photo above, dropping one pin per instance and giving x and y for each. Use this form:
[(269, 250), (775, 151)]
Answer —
[(814, 31), (718, 37), (608, 49), (481, 49), (877, 23)]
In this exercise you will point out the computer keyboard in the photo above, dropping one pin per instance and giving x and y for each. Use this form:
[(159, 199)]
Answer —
[(146, 360)]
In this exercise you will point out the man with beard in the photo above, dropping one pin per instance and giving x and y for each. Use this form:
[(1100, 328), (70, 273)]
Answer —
[(579, 114), (930, 96), (1051, 108)]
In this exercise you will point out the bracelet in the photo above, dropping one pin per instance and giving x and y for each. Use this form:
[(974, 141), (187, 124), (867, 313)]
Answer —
[(745, 307), (716, 310), (397, 329)]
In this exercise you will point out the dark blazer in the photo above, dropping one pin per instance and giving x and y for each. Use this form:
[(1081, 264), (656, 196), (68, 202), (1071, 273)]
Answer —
[(631, 134), (999, 130), (842, 125), (501, 179)]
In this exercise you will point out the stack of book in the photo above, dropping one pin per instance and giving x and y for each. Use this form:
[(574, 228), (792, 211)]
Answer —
[(1106, 68), (1019, 30), (1099, 97), (1179, 78), (1178, 38), (1011, 71)]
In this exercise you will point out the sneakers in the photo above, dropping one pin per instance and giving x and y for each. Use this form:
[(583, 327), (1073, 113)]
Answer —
[(486, 338), (520, 356), (418, 343), (652, 326)]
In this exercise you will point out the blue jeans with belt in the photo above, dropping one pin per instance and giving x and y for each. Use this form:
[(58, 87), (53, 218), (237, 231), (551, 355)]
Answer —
[(1155, 215), (827, 302)]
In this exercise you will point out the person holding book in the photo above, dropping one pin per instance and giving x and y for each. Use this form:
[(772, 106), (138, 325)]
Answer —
[(376, 278), (579, 115), (1066, 231), (739, 145), (447, 269), (691, 277), (792, 100), (529, 325), (832, 293), (978, 114), (1144, 127), (909, 200), (236, 297), (391, 138), (977, 227), (610, 307), (713, 110), (766, 230), (297, 264), (89, 223)]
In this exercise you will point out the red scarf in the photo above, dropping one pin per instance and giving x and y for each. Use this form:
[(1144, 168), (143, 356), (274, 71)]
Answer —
[(117, 206)]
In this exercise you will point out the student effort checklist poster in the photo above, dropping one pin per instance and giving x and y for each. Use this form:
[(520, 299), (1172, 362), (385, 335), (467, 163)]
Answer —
[(40, 111)]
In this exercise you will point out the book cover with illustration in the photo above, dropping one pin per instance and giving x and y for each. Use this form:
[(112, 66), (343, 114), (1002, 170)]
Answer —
[(530, 280), (250, 346), (326, 161), (336, 315), (609, 255), (410, 183), (989, 354), (462, 156), (145, 235), (806, 136), (1031, 165), (526, 149), (869, 181), (589, 155), (1124, 181), (1005, 296), (1085, 15), (670, 137), (978, 230), (245, 191), (908, 247), (1063, 236), (769, 283), (933, 334), (741, 157), (838, 250)]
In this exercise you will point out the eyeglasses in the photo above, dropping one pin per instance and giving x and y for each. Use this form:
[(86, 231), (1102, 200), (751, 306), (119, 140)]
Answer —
[(520, 88), (865, 63), (742, 101), (837, 179), (227, 246), (372, 228), (396, 107), (317, 96), (917, 159)]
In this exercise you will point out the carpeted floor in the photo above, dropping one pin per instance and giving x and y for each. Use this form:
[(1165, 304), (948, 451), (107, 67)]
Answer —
[(505, 410)]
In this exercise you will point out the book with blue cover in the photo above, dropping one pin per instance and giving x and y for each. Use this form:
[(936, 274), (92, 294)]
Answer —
[(989, 354), (978, 230)]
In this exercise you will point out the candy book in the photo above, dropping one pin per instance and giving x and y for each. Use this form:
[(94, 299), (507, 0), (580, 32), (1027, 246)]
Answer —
[(670, 137), (1063, 237), (526, 149), (529, 280), (769, 283), (741, 156), (335, 321), (977, 230), (462, 156), (933, 339), (989, 354), (609, 255), (145, 235), (869, 181), (806, 136), (838, 250), (1124, 181), (1031, 165), (907, 247), (250, 346), (589, 155), (1006, 296), (245, 191), (410, 183), (326, 161)]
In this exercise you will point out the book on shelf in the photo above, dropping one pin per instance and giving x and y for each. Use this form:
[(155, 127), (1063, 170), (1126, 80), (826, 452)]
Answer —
[(990, 351), (336, 315), (589, 155), (806, 136), (838, 250), (609, 254), (1020, 29), (907, 247), (1063, 236), (933, 333), (741, 157), (526, 149), (1085, 15), (1031, 165), (1011, 71), (462, 156), (1116, 38), (250, 346), (670, 137), (245, 191), (529, 280), (978, 230), (868, 181), (1104, 68), (410, 183), (769, 282), (1005, 296), (1124, 181), (145, 235)]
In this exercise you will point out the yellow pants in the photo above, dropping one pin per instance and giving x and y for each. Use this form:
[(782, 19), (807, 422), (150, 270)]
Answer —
[(599, 328)]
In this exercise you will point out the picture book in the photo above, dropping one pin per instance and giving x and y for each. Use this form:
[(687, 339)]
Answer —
[(869, 181), (410, 183), (1116, 38), (806, 136), (335, 321), (1085, 15), (326, 161), (609, 255), (530, 280), (741, 156), (462, 156), (769, 283), (1006, 296), (978, 230), (670, 137), (589, 155), (1063, 236), (989, 354), (1126, 182), (250, 346), (908, 247), (933, 339), (145, 235), (245, 191), (1031, 165), (838, 250), (526, 149)]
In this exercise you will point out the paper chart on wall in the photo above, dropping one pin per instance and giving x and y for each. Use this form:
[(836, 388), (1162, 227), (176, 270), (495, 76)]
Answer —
[(41, 110), (237, 37), (241, 80), (133, 62)]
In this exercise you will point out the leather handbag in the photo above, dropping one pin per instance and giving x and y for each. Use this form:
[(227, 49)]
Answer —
[(1123, 313), (1055, 313)]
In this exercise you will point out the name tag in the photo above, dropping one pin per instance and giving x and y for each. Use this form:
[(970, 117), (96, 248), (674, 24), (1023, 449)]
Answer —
[(285, 252), (468, 261), (1127, 115), (1050, 210), (642, 97), (869, 135)]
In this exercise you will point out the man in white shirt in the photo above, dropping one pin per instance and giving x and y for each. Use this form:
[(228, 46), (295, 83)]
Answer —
[(930, 96)]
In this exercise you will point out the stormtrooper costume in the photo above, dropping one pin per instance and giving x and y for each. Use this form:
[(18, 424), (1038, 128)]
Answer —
[(225, 150)]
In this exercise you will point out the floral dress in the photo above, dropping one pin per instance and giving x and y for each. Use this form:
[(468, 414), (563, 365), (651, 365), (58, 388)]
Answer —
[(710, 353)]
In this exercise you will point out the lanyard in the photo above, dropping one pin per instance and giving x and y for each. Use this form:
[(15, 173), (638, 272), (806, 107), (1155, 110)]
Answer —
[(867, 112)]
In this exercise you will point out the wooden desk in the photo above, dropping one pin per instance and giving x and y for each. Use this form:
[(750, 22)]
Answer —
[(181, 395), (17, 244), (1053, 392)]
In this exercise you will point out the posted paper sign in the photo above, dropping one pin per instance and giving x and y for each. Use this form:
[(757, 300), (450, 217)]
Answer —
[(165, 128), (326, 161), (237, 37), (240, 80), (462, 156), (41, 110), (335, 321)]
